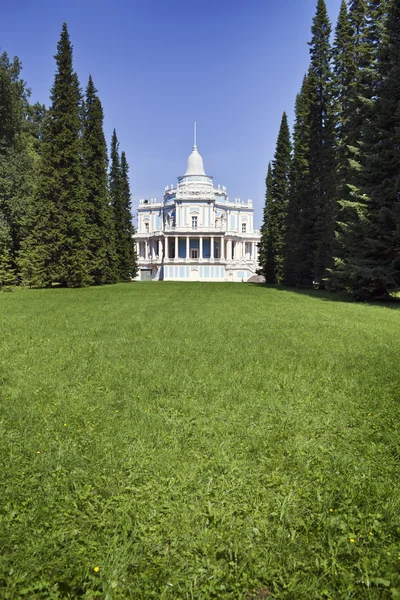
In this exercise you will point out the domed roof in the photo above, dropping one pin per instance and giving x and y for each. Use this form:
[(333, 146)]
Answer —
[(195, 163)]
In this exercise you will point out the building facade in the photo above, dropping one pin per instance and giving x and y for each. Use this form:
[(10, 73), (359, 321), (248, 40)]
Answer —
[(195, 233)]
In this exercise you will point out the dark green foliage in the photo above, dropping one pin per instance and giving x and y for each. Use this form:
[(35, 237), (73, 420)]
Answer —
[(99, 216), (18, 155), (373, 267), (265, 250), (121, 204), (322, 159), (312, 206), (278, 205), (7, 273), (352, 218), (128, 257), (55, 251), (13, 94), (297, 253), (345, 71)]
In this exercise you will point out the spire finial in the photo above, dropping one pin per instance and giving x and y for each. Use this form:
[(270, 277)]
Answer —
[(195, 132)]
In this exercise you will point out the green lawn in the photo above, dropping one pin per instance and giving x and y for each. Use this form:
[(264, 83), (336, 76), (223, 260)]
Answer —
[(194, 441)]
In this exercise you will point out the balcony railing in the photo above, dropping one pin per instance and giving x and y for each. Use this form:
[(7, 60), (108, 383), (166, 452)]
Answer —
[(172, 228)]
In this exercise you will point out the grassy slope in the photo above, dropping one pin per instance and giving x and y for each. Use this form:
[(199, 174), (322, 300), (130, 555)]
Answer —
[(198, 441)]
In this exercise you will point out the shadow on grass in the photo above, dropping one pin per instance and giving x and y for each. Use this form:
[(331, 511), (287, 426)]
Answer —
[(326, 296)]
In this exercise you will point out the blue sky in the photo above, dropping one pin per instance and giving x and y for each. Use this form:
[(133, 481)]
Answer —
[(159, 65)]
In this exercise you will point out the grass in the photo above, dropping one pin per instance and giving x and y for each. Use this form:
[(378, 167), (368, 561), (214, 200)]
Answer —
[(198, 441)]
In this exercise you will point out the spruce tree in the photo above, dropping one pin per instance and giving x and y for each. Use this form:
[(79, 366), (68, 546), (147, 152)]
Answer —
[(299, 246), (128, 257), (373, 267), (322, 157), (351, 218), (115, 187), (121, 204), (265, 257), (344, 70), (55, 250), (277, 208), (17, 157), (99, 220)]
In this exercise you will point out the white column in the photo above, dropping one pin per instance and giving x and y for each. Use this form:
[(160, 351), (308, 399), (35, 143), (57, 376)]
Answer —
[(201, 248), (159, 249), (187, 248), (146, 250), (166, 253), (212, 248), (221, 252), (229, 250), (176, 248)]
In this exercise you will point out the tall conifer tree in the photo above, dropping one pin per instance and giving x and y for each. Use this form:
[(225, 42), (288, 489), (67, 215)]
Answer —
[(55, 251), (100, 226), (278, 207), (265, 256), (121, 204), (299, 245), (128, 258), (322, 158), (372, 269), (345, 72), (17, 156), (353, 207)]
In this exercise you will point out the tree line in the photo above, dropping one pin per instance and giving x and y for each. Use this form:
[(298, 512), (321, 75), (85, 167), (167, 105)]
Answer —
[(65, 212), (332, 205)]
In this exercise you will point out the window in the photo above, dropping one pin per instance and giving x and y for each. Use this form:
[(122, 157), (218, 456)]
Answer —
[(194, 253), (194, 224), (146, 228), (244, 227)]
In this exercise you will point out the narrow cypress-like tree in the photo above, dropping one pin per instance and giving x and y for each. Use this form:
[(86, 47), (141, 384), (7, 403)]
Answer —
[(322, 159), (277, 208), (100, 226), (360, 58), (115, 188), (128, 257), (121, 204), (265, 249), (55, 250), (299, 244), (344, 70)]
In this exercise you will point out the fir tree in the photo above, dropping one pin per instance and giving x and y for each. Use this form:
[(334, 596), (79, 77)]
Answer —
[(299, 245), (265, 257), (353, 207), (55, 250), (322, 160), (7, 273), (18, 158), (372, 269), (344, 70), (121, 204), (277, 208), (100, 229), (127, 255)]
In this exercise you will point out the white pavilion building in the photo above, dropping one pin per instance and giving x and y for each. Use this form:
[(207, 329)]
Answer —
[(195, 233)]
